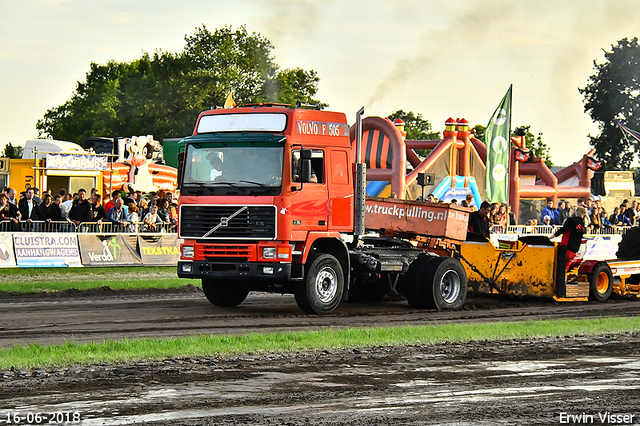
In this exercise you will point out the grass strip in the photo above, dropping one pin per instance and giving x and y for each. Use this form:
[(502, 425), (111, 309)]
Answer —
[(39, 356), (35, 280), (46, 273), (122, 284)]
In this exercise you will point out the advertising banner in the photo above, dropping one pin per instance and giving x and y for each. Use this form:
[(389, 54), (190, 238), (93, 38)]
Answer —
[(46, 250), (108, 250), (7, 257), (159, 250), (77, 162)]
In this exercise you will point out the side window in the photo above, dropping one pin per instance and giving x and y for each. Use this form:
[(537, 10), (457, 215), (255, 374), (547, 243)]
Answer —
[(317, 166)]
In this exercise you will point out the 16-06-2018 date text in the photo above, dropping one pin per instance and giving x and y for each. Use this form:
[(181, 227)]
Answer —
[(40, 418)]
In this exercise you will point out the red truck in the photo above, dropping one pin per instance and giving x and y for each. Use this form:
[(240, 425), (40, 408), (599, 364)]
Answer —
[(272, 198)]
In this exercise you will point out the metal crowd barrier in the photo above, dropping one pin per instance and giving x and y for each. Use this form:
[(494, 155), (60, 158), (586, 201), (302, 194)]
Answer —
[(87, 227), (549, 230)]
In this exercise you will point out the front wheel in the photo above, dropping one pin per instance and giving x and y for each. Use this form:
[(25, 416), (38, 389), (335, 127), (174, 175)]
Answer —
[(224, 293), (600, 283), (323, 285)]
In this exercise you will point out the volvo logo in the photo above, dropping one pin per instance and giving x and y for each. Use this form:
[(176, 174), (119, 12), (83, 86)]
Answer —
[(224, 222)]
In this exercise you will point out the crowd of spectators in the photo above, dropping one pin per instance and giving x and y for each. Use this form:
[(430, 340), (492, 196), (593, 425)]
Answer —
[(496, 217), (130, 211), (596, 219)]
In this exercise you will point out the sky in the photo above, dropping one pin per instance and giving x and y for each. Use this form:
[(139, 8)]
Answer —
[(439, 58)]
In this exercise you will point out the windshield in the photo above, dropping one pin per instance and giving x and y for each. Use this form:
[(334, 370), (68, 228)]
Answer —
[(238, 167)]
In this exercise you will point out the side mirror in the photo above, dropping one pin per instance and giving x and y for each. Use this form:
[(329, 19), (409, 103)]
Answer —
[(305, 165), (180, 168)]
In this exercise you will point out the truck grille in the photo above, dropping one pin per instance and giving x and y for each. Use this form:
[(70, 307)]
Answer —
[(228, 222)]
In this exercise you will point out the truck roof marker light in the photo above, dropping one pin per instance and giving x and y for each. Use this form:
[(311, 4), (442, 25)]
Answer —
[(229, 102)]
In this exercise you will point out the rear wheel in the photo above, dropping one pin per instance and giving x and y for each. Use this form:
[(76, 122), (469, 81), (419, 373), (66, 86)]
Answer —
[(323, 285), (413, 282), (445, 282), (224, 293), (600, 282)]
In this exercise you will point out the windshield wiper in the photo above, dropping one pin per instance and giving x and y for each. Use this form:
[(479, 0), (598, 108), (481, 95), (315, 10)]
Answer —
[(233, 184), (262, 185)]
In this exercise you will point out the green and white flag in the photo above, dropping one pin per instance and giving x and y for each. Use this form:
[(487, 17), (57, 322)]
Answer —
[(498, 151)]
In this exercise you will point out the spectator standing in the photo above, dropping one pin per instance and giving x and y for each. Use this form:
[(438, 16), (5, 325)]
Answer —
[(144, 207), (134, 213), (109, 204), (152, 220), (36, 195), (630, 213), (133, 217), (613, 219), (572, 231), (29, 207), (623, 219), (117, 215), (470, 201), (163, 210), (11, 195), (50, 211), (596, 223), (66, 206), (549, 211), (502, 219), (479, 220), (99, 213), (81, 209), (560, 215), (130, 198), (512, 216), (9, 212)]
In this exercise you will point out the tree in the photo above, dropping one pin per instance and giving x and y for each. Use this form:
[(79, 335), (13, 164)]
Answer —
[(479, 130), (163, 93), (416, 127), (535, 145), (612, 94), (11, 151)]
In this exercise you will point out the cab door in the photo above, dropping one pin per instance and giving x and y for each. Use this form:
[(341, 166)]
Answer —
[(309, 202)]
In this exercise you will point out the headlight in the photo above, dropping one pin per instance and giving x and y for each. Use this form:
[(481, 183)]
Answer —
[(188, 252), (269, 252)]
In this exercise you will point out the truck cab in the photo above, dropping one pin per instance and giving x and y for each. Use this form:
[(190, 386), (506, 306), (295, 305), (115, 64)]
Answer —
[(262, 188)]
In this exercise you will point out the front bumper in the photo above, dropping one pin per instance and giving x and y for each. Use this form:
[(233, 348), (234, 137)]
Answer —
[(235, 270)]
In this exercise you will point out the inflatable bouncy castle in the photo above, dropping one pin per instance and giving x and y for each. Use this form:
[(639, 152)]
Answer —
[(457, 165)]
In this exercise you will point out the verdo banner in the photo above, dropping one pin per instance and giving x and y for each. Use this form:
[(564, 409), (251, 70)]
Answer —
[(108, 250), (46, 250)]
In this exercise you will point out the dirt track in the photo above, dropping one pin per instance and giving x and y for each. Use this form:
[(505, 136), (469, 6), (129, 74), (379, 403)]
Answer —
[(105, 314), (515, 382)]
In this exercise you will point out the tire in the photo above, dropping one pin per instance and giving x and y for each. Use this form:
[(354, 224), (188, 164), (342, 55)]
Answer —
[(224, 293), (445, 284), (323, 285), (629, 248), (600, 283), (413, 285)]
